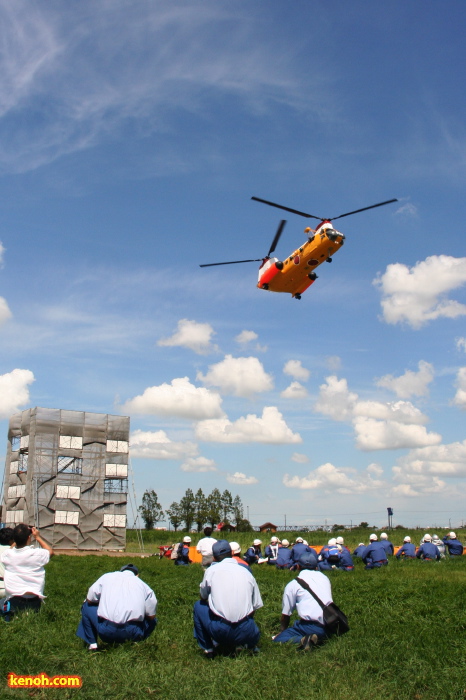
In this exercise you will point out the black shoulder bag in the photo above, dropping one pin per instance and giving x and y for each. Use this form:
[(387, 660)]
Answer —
[(335, 620)]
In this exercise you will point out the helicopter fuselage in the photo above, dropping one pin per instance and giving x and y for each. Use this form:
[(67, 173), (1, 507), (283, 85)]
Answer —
[(296, 273)]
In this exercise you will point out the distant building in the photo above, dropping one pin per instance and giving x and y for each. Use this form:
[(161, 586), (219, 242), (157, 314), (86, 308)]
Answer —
[(66, 472), (268, 527)]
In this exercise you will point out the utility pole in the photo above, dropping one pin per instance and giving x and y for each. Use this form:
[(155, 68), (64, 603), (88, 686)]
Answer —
[(285, 523)]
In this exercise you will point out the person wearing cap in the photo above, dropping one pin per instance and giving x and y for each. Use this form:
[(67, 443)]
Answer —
[(346, 560), (182, 557), (298, 549), (309, 629), (119, 607), (342, 544), (254, 553), (428, 551), (229, 597), (329, 556), (387, 545), (374, 556), (408, 550), (204, 547), (236, 554), (440, 545), (271, 550), (454, 546), (284, 560), (24, 573), (359, 550)]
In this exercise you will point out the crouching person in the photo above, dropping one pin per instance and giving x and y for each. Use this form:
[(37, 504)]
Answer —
[(119, 608), (224, 617), (309, 629)]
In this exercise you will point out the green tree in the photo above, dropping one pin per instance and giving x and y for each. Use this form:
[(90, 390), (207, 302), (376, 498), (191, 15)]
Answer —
[(214, 508), (238, 510), (200, 509), (150, 509), (187, 508), (174, 515)]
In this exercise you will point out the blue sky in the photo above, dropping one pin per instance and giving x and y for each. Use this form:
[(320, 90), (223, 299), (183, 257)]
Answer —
[(132, 137)]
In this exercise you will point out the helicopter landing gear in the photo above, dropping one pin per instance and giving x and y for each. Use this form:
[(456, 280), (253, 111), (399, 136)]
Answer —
[(312, 276), (329, 260), (297, 296), (265, 286)]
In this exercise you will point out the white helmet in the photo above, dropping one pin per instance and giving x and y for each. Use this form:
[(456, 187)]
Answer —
[(285, 543), (256, 543), (452, 535), (299, 539), (427, 537), (235, 548), (340, 540), (407, 539), (274, 540), (187, 539), (332, 541), (306, 543), (383, 536), (373, 537)]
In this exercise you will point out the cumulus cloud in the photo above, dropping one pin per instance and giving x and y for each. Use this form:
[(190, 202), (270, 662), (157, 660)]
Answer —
[(299, 458), (239, 376), (335, 400), (390, 435), (397, 411), (294, 391), (192, 335), (332, 479), (247, 337), (460, 396), (14, 391), (461, 344), (295, 369), (180, 398), (157, 445), (198, 464), (241, 479), (5, 312), (440, 460), (270, 428), (410, 383), (418, 295)]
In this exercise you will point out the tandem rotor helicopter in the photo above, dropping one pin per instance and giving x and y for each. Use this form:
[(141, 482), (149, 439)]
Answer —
[(297, 272)]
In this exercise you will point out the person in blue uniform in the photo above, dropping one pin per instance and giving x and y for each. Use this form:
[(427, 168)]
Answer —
[(271, 550), (346, 560), (309, 629), (374, 556), (454, 546), (407, 551), (224, 616), (388, 546), (298, 549), (428, 551), (254, 553), (182, 558), (359, 550), (330, 556), (284, 560)]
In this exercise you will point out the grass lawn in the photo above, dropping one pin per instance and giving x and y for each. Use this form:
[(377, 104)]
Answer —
[(407, 638)]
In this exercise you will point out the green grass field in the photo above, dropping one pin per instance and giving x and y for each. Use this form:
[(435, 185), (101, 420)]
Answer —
[(407, 638)]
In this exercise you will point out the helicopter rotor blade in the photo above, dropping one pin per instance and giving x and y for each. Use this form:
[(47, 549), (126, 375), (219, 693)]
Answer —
[(293, 211), (232, 262), (356, 211), (280, 228)]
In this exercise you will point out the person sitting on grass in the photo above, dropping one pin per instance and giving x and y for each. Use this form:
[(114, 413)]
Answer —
[(284, 560), (254, 553), (204, 547), (119, 607), (24, 574), (408, 550), (224, 616), (428, 551), (374, 556), (6, 540), (359, 550), (271, 550), (236, 554), (182, 554), (454, 546), (388, 546), (309, 629), (440, 545)]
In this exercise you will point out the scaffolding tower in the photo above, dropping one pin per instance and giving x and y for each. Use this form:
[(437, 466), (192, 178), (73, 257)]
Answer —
[(66, 472)]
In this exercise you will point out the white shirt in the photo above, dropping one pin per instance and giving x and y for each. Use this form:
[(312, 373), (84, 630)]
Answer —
[(24, 570), (205, 545), (122, 596), (231, 590), (295, 596)]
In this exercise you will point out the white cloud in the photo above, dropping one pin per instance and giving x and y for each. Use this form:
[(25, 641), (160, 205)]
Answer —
[(246, 337), (460, 396), (335, 400), (5, 312), (2, 253), (398, 411), (461, 344), (295, 369), (180, 398), (157, 445), (294, 391), (410, 383), (407, 209), (441, 460), (390, 435), (299, 458), (240, 376), (241, 479), (270, 429), (418, 295), (198, 464), (333, 363), (192, 335), (14, 391), (331, 479)]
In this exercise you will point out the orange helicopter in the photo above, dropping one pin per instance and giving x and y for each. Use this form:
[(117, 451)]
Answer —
[(297, 272)]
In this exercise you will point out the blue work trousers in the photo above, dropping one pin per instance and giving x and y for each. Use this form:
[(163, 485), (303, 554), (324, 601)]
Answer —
[(300, 629), (92, 626), (211, 630)]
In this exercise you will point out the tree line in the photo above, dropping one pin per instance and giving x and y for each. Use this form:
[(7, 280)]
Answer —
[(195, 509)]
